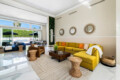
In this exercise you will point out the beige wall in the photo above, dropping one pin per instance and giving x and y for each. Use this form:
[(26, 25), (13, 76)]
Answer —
[(118, 30), (44, 33), (102, 15)]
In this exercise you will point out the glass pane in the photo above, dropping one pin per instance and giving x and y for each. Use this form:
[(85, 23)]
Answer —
[(24, 25), (6, 23), (7, 37), (24, 36), (36, 27)]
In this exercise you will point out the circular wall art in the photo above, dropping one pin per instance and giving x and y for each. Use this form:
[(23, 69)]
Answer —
[(61, 32), (89, 28), (72, 31)]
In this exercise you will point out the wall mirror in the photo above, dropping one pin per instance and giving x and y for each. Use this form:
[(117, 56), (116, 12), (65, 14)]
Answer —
[(72, 31), (61, 32), (89, 28)]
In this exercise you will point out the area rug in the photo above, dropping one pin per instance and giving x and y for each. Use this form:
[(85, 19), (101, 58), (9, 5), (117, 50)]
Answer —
[(50, 69)]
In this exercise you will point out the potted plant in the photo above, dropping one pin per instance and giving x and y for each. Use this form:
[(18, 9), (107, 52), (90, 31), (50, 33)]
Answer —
[(55, 47)]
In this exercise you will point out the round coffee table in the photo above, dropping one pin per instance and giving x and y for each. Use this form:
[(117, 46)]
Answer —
[(75, 70), (32, 55)]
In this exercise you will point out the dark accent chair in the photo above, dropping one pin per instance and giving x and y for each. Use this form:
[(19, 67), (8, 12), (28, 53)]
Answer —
[(40, 50)]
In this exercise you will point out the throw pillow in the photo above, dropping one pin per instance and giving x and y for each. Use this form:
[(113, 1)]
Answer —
[(86, 46), (63, 44), (81, 46)]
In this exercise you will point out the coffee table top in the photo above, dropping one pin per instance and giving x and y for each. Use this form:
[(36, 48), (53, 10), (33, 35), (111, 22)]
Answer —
[(56, 52)]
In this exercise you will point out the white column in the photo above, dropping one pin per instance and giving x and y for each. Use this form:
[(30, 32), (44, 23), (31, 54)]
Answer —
[(1, 36), (39, 35), (47, 27)]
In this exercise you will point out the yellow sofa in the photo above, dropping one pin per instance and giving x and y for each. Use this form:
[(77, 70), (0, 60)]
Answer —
[(89, 61)]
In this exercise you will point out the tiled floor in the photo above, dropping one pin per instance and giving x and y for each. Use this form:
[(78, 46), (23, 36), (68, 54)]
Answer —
[(15, 66)]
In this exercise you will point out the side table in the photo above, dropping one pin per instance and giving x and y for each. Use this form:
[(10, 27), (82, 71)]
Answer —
[(32, 55), (1, 50), (20, 48), (75, 70)]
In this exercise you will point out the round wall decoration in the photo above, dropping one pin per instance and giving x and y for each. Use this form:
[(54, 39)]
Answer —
[(89, 28), (72, 31), (61, 32)]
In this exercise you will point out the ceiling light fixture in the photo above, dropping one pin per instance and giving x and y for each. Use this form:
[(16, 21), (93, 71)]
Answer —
[(85, 2)]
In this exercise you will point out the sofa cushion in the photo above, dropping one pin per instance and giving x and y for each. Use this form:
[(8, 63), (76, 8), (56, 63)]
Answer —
[(85, 57), (71, 44), (78, 49), (69, 48), (60, 43), (8, 48), (57, 43), (61, 48), (77, 45)]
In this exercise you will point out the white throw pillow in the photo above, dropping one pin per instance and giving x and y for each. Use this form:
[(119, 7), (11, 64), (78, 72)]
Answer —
[(86, 46)]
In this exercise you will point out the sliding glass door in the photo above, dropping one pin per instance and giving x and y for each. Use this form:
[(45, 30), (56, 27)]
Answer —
[(7, 37)]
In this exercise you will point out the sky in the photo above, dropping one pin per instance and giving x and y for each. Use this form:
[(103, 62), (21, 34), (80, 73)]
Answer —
[(23, 25)]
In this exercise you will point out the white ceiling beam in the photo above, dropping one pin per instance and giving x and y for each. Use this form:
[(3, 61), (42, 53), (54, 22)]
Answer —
[(24, 7)]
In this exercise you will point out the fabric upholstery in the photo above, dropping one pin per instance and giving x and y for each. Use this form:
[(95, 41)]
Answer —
[(69, 48), (86, 46), (60, 43), (72, 44), (63, 44), (61, 48), (89, 61), (81, 46), (78, 49)]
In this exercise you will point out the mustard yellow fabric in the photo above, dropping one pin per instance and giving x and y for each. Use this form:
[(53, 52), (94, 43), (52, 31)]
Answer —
[(72, 44), (69, 48), (77, 45), (60, 43), (57, 43), (78, 49), (61, 48), (89, 61), (85, 57)]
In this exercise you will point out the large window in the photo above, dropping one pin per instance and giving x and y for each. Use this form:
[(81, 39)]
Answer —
[(6, 23), (36, 27), (25, 25), (23, 32), (7, 37), (24, 36)]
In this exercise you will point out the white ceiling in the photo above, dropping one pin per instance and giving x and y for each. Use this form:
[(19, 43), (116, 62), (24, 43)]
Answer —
[(45, 7), (50, 6)]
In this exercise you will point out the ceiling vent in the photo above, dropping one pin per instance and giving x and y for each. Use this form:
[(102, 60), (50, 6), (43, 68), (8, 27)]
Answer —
[(72, 12), (97, 2), (58, 18)]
